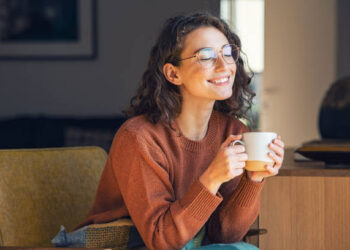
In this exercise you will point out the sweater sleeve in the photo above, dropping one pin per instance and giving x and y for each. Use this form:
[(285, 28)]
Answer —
[(143, 176), (240, 206), (231, 221)]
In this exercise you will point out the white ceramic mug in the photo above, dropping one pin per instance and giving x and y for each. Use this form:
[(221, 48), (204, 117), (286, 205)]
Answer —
[(256, 145)]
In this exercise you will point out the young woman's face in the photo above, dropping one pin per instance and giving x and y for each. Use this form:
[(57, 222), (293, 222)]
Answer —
[(205, 83)]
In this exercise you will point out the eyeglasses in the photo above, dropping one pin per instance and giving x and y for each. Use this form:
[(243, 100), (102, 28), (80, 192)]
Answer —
[(207, 57)]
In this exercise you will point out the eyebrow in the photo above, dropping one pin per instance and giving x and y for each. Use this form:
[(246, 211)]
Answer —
[(209, 48), (201, 49), (195, 52)]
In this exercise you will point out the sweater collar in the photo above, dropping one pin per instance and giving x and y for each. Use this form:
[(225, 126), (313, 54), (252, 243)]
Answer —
[(196, 146)]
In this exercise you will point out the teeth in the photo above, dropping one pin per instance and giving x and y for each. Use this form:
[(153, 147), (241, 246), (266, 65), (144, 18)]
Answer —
[(221, 80)]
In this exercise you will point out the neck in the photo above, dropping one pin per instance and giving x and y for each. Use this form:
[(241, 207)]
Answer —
[(193, 121)]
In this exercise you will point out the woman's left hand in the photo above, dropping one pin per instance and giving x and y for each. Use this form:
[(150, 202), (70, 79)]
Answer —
[(277, 146)]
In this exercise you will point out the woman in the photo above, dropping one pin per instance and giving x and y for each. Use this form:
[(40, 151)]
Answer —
[(171, 167)]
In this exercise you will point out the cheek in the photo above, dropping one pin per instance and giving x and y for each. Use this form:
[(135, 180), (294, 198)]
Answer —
[(234, 69), (234, 72), (196, 74)]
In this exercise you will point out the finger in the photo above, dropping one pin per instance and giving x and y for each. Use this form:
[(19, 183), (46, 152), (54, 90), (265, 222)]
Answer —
[(271, 170), (275, 158), (239, 164), (277, 167), (279, 142), (242, 157), (234, 150), (277, 149), (233, 163), (230, 139), (237, 149)]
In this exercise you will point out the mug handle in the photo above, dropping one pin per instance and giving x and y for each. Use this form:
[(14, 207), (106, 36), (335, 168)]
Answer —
[(237, 141)]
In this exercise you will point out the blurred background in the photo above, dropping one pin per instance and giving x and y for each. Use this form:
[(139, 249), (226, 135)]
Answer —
[(75, 64)]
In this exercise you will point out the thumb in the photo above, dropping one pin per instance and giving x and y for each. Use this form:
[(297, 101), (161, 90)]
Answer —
[(230, 139)]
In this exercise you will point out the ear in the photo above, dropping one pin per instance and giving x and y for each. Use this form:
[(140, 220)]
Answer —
[(171, 73)]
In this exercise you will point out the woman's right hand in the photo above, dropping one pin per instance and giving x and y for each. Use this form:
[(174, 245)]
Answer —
[(227, 164)]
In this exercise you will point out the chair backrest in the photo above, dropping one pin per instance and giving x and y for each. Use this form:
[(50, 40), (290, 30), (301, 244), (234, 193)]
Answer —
[(41, 189)]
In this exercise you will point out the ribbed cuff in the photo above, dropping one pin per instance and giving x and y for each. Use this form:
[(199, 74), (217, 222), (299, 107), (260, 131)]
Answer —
[(199, 202), (247, 192)]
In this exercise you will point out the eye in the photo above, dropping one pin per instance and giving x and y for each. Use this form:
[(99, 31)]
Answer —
[(227, 51), (206, 54)]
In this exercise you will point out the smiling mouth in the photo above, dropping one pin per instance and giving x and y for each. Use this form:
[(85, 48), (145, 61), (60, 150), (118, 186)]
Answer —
[(220, 81)]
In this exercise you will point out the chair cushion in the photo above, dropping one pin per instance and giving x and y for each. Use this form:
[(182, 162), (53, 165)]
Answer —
[(40, 189)]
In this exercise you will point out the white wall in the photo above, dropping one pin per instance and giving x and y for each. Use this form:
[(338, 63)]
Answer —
[(300, 64), (127, 30)]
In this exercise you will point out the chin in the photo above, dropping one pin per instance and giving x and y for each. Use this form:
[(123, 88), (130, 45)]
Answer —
[(223, 99), (224, 96)]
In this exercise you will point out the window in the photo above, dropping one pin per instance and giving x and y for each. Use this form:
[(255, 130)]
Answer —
[(246, 19)]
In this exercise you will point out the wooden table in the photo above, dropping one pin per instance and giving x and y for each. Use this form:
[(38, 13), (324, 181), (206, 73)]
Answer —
[(307, 206)]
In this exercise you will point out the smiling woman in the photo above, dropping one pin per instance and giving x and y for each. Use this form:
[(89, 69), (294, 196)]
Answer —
[(171, 168), (160, 83), (205, 77)]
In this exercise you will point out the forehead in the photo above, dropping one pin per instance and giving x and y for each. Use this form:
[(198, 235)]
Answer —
[(204, 37)]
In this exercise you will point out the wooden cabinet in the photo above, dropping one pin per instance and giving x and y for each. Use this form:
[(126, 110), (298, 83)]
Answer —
[(306, 206)]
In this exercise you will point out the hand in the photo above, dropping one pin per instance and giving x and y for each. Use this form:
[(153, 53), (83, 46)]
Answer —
[(277, 146), (227, 164)]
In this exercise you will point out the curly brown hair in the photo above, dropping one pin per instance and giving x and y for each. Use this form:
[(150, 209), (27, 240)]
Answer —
[(160, 100)]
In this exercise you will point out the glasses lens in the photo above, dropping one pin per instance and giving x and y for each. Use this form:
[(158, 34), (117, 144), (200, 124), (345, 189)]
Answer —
[(230, 53), (207, 56)]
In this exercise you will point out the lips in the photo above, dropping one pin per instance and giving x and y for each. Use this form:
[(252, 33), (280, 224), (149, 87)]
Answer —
[(220, 80)]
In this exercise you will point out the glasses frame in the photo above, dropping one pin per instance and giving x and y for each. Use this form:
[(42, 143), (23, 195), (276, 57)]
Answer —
[(217, 53)]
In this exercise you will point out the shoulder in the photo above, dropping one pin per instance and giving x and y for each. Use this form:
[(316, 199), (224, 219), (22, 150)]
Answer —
[(140, 134), (136, 123), (230, 123), (140, 127), (137, 141)]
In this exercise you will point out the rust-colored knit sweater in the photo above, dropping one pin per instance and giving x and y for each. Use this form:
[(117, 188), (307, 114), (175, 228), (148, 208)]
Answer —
[(152, 175)]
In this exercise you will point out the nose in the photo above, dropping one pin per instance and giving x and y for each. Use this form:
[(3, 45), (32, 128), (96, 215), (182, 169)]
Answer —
[(221, 64)]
